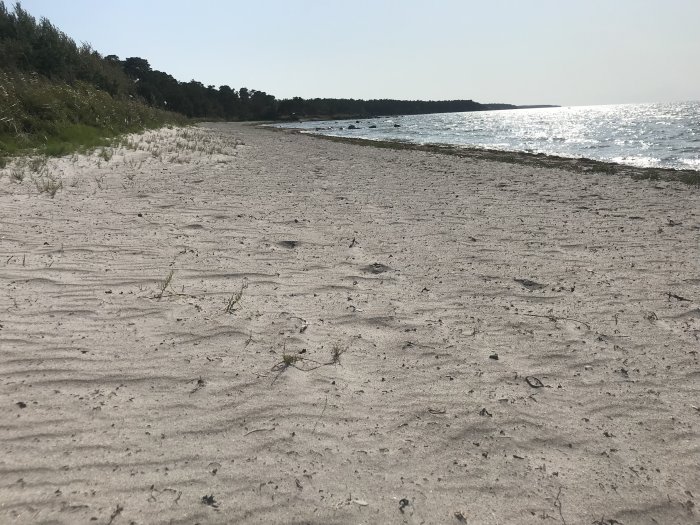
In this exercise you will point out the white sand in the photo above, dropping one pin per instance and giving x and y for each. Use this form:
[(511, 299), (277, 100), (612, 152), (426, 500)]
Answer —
[(118, 407)]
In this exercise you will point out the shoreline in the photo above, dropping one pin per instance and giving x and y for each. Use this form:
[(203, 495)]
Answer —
[(543, 160)]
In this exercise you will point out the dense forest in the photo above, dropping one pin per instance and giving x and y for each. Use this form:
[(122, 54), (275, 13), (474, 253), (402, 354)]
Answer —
[(31, 46), (57, 95)]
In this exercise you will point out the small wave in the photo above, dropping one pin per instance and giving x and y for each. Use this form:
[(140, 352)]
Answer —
[(692, 163), (641, 162)]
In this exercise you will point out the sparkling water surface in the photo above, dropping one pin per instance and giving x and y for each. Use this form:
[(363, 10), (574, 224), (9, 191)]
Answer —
[(643, 135)]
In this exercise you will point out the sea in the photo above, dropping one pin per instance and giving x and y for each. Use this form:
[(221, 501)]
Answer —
[(643, 135)]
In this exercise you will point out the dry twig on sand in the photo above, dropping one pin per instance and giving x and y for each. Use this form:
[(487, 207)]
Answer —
[(558, 318), (325, 405), (676, 297), (557, 504)]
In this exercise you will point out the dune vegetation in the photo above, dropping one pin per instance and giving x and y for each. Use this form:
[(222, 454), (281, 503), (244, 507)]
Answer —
[(57, 96)]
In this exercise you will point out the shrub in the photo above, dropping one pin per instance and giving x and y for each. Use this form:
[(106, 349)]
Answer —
[(45, 117)]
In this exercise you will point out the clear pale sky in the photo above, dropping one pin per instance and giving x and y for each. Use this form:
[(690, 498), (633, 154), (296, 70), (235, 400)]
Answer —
[(567, 52)]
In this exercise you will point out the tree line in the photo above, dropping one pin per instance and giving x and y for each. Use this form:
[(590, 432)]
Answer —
[(37, 46)]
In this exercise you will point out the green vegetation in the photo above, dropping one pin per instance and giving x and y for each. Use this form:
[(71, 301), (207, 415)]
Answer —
[(351, 108), (57, 96), (56, 118)]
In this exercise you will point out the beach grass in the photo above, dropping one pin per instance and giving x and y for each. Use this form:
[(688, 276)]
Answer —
[(41, 117), (235, 299)]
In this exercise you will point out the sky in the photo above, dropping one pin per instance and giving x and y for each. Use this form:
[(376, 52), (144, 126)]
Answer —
[(564, 52)]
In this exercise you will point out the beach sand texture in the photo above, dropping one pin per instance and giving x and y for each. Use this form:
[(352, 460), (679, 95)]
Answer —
[(349, 335)]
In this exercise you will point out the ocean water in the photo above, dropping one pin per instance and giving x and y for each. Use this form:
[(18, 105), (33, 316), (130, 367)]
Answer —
[(643, 135)]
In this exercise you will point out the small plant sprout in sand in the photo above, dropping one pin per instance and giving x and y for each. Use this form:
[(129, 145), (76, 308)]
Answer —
[(306, 364), (106, 154), (235, 299), (336, 352), (48, 185), (164, 284), (289, 360), (38, 164), (17, 175)]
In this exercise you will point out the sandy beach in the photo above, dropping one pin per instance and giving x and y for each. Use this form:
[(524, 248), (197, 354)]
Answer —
[(237, 325)]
